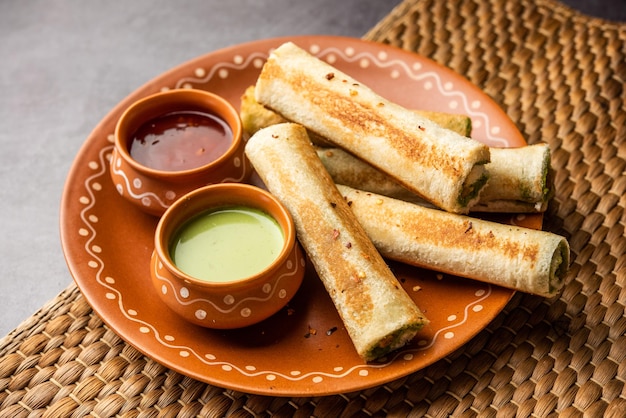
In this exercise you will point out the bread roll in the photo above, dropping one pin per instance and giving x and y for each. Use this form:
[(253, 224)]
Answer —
[(438, 164), (255, 116), (519, 258), (518, 179), (376, 311)]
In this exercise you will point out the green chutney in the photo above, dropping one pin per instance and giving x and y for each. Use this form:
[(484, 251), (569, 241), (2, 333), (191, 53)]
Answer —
[(226, 244)]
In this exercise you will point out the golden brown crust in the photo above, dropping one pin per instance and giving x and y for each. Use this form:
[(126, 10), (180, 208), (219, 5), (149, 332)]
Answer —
[(431, 161), (519, 174), (518, 179), (519, 258), (255, 116), (373, 305)]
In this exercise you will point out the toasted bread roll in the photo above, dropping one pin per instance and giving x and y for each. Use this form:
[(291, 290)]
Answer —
[(376, 311), (443, 167), (518, 179), (255, 116), (519, 258)]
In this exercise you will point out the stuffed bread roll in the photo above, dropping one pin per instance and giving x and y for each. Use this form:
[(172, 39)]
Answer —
[(376, 311), (438, 164), (255, 116), (518, 179), (519, 258)]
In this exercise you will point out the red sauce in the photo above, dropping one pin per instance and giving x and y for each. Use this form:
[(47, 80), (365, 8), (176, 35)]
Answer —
[(180, 141)]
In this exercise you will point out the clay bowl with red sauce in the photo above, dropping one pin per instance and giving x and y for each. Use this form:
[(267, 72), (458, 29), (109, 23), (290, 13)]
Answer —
[(196, 277), (173, 142)]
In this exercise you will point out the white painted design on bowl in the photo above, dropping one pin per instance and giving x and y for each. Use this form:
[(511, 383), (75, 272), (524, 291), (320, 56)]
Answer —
[(184, 296), (146, 198)]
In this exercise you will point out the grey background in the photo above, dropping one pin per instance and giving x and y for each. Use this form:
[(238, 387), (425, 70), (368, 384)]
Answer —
[(65, 63)]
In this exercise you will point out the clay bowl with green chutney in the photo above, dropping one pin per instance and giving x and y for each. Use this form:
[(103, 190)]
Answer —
[(226, 256)]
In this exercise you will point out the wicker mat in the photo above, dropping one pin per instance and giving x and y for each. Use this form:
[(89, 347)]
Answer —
[(561, 77)]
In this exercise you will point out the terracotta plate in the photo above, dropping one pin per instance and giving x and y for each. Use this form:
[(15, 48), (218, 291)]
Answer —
[(303, 350)]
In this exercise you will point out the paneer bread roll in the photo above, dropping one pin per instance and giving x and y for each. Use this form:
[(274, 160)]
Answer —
[(438, 164), (518, 177), (523, 259), (519, 180), (255, 116), (377, 313)]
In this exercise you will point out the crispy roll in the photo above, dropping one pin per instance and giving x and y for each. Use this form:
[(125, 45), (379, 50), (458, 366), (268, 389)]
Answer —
[(519, 258), (376, 311), (443, 167), (255, 116), (518, 179)]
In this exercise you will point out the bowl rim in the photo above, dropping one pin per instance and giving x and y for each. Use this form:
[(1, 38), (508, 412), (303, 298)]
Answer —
[(180, 98), (180, 212)]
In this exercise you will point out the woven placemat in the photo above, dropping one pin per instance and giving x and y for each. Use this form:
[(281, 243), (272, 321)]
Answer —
[(562, 78)]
